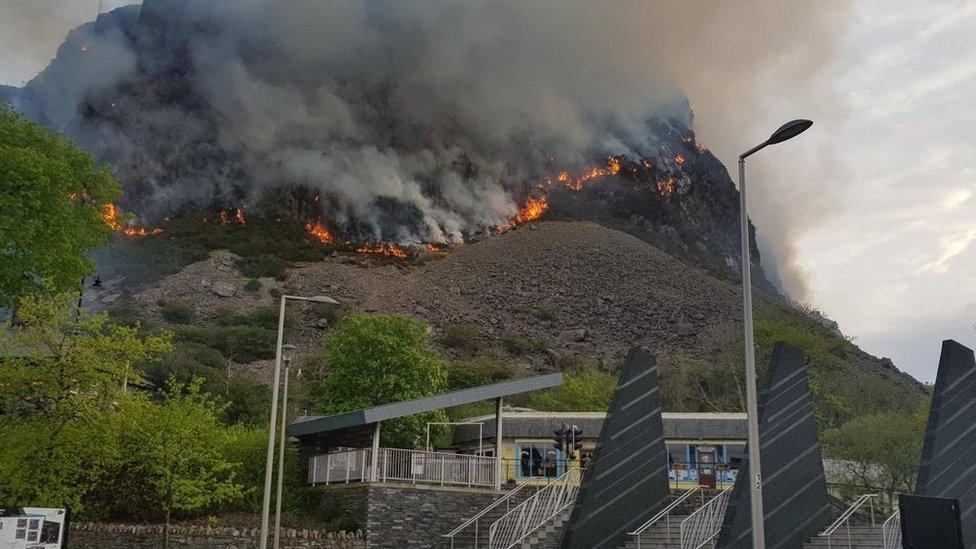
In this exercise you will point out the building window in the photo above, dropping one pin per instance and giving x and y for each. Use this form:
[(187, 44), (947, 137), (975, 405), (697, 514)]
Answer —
[(538, 459)]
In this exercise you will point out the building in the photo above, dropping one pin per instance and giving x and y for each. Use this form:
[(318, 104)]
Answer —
[(703, 448)]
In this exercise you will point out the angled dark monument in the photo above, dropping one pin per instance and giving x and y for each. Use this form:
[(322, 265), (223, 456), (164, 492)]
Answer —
[(948, 465), (795, 505), (628, 477)]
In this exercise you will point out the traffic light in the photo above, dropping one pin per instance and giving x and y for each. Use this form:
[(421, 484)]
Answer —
[(575, 441), (559, 438)]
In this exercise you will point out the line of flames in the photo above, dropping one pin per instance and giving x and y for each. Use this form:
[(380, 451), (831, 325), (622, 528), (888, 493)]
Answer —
[(110, 216), (532, 210)]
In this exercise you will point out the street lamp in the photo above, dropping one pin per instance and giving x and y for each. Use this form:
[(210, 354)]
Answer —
[(786, 131), (266, 504), (287, 353)]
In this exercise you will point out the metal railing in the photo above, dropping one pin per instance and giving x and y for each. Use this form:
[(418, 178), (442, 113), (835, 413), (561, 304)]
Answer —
[(704, 524), (666, 514), (845, 519), (473, 524), (533, 513), (400, 465), (891, 531)]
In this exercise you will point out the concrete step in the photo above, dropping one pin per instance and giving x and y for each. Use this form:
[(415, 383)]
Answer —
[(859, 537)]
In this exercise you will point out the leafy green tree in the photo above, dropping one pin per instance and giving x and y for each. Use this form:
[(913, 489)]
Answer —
[(63, 374), (879, 452), (378, 359), (177, 449), (52, 197)]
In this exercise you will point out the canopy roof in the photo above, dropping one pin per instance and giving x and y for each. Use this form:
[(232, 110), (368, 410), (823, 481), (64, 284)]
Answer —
[(310, 425)]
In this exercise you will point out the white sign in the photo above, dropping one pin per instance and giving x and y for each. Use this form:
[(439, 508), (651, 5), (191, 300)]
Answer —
[(32, 528), (416, 464)]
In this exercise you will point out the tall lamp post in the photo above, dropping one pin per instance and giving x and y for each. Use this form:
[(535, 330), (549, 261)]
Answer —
[(266, 504), (786, 131), (287, 353)]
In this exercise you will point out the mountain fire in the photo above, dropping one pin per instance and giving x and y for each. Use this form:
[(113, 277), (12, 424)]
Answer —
[(533, 209), (235, 216), (612, 167), (110, 216), (319, 232), (383, 248)]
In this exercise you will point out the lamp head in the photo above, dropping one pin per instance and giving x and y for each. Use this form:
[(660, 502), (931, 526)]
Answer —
[(323, 299), (288, 352), (789, 130)]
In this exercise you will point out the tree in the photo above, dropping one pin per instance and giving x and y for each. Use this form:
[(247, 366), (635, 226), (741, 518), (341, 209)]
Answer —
[(62, 373), (177, 450), (378, 359), (879, 452), (52, 201)]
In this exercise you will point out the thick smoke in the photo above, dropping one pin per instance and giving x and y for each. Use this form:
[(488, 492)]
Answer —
[(448, 110)]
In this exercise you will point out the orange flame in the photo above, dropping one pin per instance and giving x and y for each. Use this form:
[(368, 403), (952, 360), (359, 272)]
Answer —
[(318, 231), (383, 248), (679, 159), (532, 210), (666, 188), (135, 232), (612, 167), (110, 216), (237, 216)]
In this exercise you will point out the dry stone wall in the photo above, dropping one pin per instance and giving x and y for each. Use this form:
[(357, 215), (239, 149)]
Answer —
[(130, 536)]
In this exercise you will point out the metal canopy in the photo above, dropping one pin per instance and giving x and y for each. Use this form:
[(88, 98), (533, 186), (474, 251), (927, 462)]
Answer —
[(310, 425)]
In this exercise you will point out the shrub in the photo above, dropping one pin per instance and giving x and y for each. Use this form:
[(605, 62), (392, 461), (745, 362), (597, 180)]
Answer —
[(239, 343), (460, 337), (543, 312), (262, 265), (252, 286), (519, 345), (480, 370), (178, 312), (587, 389)]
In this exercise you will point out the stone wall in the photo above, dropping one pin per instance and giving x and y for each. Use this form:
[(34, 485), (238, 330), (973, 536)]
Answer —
[(401, 517), (128, 536)]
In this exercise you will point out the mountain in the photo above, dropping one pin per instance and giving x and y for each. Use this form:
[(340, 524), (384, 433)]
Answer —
[(548, 296), (176, 96), (7, 94)]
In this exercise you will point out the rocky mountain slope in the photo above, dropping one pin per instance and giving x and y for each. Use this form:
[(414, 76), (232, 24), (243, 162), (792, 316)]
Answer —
[(541, 297)]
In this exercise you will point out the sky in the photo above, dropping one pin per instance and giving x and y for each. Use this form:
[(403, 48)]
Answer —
[(893, 260), (896, 266)]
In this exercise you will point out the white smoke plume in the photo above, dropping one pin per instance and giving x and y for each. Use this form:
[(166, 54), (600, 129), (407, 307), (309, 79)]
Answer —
[(448, 107)]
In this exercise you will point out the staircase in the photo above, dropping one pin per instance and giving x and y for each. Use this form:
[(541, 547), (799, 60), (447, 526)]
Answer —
[(473, 533), (548, 536), (854, 529), (861, 537), (665, 533)]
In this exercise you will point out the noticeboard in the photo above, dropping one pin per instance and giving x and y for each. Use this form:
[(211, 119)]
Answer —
[(33, 528)]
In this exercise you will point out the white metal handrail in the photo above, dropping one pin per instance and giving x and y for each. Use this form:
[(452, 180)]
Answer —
[(473, 522), (401, 465), (704, 524), (845, 518), (531, 514), (666, 514), (891, 531)]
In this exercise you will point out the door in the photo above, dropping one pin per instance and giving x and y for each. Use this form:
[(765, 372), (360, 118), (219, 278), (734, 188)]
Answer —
[(706, 465)]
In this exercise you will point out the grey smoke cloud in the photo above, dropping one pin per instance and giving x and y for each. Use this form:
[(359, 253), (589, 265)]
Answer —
[(368, 101)]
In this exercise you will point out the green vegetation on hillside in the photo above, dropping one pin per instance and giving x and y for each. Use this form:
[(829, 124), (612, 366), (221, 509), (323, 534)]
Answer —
[(52, 199)]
